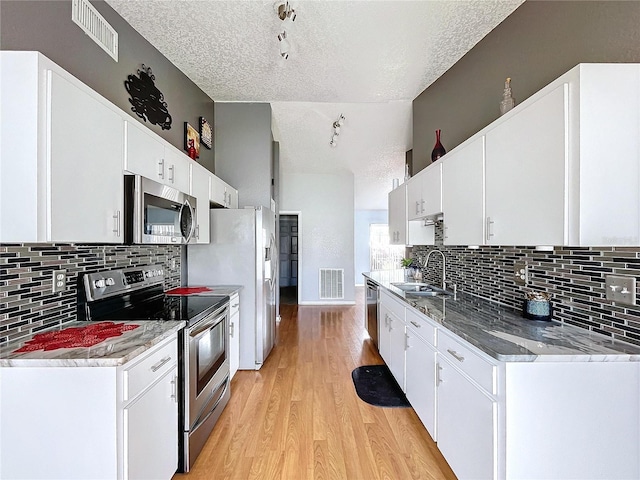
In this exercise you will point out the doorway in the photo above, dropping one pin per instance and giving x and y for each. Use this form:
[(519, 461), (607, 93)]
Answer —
[(289, 264)]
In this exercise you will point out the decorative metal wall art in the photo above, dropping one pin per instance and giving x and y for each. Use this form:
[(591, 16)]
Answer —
[(206, 133), (191, 141), (146, 100)]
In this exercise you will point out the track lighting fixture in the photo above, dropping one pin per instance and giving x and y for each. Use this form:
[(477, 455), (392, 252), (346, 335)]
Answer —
[(336, 130), (287, 14)]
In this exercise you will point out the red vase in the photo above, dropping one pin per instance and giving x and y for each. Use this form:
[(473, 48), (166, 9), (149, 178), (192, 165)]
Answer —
[(438, 149)]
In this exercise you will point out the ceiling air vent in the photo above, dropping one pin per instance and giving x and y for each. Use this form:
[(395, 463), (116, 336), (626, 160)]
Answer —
[(331, 283), (87, 17)]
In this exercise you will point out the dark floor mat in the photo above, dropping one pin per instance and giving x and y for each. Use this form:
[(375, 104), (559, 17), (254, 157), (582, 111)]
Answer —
[(376, 386)]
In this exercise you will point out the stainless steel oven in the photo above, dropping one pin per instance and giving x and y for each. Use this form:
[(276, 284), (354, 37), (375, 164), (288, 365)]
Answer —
[(137, 293), (156, 213), (206, 369)]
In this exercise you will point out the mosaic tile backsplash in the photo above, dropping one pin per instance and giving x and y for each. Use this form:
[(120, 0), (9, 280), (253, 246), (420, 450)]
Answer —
[(574, 276), (27, 304)]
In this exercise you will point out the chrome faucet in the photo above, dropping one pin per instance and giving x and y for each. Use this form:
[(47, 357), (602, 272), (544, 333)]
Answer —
[(426, 261)]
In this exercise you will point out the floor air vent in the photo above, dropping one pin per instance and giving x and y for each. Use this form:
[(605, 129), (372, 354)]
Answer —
[(331, 283), (87, 17)]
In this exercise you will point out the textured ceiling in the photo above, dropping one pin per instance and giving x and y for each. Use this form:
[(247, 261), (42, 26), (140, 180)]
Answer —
[(366, 59)]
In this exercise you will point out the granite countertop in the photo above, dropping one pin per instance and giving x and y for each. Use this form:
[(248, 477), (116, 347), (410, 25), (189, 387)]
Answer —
[(505, 335), (110, 352)]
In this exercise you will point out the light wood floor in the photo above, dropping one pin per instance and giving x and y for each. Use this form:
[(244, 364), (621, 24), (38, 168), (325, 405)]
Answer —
[(299, 416)]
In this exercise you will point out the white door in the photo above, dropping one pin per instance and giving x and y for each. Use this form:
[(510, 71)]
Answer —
[(177, 169), (420, 380), (526, 168), (398, 216), (85, 183), (463, 195), (144, 153), (151, 432), (384, 333), (432, 190), (396, 348), (200, 185), (466, 420)]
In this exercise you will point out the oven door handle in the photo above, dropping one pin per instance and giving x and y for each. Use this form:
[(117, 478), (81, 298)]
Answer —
[(200, 420), (206, 327)]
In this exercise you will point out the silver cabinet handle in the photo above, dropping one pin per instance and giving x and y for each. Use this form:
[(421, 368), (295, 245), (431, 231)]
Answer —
[(174, 388), (197, 235), (235, 305), (438, 377), (116, 220), (406, 342), (421, 206), (231, 328), (415, 324), (172, 173), (417, 207), (455, 355), (489, 228), (161, 168), (445, 232), (159, 365)]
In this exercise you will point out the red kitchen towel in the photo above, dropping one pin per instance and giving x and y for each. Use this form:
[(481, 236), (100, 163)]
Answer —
[(72, 337), (188, 290)]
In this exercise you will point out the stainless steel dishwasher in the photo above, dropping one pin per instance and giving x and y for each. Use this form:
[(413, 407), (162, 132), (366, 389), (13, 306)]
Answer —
[(371, 316)]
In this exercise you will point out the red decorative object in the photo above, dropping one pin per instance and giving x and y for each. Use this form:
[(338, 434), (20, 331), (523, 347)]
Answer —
[(438, 150), (73, 337), (188, 290)]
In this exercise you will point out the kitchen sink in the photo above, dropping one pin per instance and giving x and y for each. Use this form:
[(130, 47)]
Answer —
[(420, 289)]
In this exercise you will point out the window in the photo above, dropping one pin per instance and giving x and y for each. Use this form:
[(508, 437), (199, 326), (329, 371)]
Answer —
[(383, 256)]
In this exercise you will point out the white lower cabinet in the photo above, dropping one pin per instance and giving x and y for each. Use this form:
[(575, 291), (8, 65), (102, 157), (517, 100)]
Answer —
[(92, 422), (466, 424), (391, 335), (234, 334), (200, 185), (420, 381), (499, 420)]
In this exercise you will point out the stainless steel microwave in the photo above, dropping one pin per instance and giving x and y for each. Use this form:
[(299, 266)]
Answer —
[(156, 213)]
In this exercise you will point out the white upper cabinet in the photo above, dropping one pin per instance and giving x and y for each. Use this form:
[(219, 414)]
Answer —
[(61, 156), (526, 173), (221, 193), (398, 215), (562, 168), (463, 194), (147, 155), (201, 180), (424, 192)]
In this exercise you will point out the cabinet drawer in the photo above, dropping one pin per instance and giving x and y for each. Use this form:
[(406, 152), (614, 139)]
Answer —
[(423, 327), (395, 306), (148, 367), (471, 363)]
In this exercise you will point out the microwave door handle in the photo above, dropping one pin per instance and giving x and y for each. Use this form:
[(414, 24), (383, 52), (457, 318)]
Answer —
[(192, 229)]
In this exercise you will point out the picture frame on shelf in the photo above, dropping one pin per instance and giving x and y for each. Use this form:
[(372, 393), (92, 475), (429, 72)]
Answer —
[(191, 141), (206, 133)]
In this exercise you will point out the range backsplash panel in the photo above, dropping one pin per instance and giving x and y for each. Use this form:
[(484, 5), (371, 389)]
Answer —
[(27, 304), (574, 276)]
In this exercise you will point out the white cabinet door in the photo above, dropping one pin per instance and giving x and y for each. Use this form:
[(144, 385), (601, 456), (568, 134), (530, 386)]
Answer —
[(84, 163), (151, 431), (420, 379), (414, 196), (463, 194), (398, 216), (232, 197), (144, 153), (200, 185), (234, 335), (432, 189), (384, 335), (466, 420), (526, 172), (177, 169), (218, 193), (397, 344)]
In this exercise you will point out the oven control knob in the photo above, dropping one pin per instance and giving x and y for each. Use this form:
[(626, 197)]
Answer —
[(160, 272), (110, 281), (99, 283), (147, 274)]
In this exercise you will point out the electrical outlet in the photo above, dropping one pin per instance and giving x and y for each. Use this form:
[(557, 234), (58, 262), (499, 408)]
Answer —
[(621, 289), (521, 273), (59, 282)]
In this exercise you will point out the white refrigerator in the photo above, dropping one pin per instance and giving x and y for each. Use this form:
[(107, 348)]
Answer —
[(243, 252)]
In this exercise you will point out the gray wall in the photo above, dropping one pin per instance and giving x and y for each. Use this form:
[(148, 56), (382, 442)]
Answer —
[(536, 44), (46, 26), (244, 150)]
